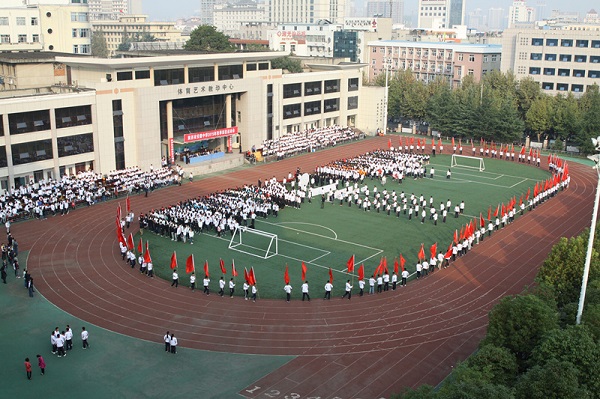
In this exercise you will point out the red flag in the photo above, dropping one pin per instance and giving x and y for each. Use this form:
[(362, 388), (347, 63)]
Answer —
[(440, 142), (130, 244), (234, 272), (481, 220), (140, 246), (246, 275), (147, 257), (490, 213), (453, 145), (396, 265), (128, 204), (565, 172), (522, 152), (433, 250), (222, 264), (503, 209), (252, 275), (521, 200), (497, 210), (402, 262), (121, 237), (389, 143), (361, 272), (530, 151), (462, 234), (330, 276), (422, 253), (189, 264), (286, 275), (350, 264), (448, 254), (119, 212), (303, 271), (384, 267), (456, 236), (206, 269), (173, 260)]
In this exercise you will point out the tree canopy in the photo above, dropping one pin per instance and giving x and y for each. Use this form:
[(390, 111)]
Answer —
[(99, 47), (207, 38), (287, 63)]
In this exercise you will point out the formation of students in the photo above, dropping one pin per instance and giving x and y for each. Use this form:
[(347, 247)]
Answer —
[(10, 260)]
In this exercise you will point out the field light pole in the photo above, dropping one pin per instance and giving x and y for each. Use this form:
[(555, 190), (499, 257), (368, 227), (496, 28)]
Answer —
[(588, 256), (387, 62)]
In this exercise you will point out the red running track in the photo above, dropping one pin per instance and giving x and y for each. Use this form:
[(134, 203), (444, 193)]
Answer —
[(366, 348)]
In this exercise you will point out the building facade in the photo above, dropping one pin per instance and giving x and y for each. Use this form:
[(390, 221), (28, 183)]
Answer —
[(108, 114), (230, 18), (430, 60), (440, 14), (387, 9), (566, 59), (520, 12), (306, 11)]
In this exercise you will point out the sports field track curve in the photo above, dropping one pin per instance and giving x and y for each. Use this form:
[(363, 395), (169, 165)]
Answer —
[(368, 347)]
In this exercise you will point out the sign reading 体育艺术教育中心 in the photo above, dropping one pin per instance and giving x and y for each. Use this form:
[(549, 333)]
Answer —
[(210, 134)]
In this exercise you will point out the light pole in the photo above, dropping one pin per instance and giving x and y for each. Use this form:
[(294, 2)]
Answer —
[(387, 62), (588, 255)]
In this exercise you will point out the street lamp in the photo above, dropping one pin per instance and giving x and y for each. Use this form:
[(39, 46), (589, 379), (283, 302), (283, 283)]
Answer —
[(387, 63), (588, 256)]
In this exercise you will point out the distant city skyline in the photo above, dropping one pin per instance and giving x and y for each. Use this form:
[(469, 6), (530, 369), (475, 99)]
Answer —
[(159, 11)]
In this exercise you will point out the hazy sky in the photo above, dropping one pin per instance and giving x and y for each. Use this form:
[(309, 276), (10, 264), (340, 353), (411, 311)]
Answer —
[(160, 10)]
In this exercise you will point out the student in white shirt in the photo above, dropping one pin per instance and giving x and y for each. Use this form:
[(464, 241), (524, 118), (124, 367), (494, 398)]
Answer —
[(328, 288), (84, 338), (173, 343), (288, 292), (305, 291)]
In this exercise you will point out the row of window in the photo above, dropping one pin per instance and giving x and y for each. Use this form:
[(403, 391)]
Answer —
[(35, 121), (82, 48), (577, 88), (20, 21), (80, 17), (316, 107), (578, 73), (80, 32), (595, 59), (41, 150), (164, 77), (583, 43), (21, 38)]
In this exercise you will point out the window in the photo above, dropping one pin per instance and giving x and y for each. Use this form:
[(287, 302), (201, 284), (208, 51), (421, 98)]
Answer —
[(562, 87), (460, 57), (3, 160), (332, 104), (494, 58), (352, 84), (548, 86), (250, 67), (578, 73), (142, 74), (549, 71), (550, 57), (565, 57), (535, 56), (4, 38), (85, 49), (198, 74), (582, 43), (22, 38), (73, 32), (312, 88), (84, 32), (537, 42), (124, 75), (353, 102), (35, 38), (4, 21), (75, 49), (594, 59), (31, 152), (577, 88), (73, 145), (292, 90), (566, 43), (312, 108), (291, 111), (471, 57), (485, 58), (21, 21), (594, 74), (332, 86), (34, 21), (595, 43), (534, 71), (165, 77), (564, 72), (470, 72), (228, 72), (580, 58), (79, 17), (73, 116), (26, 122)]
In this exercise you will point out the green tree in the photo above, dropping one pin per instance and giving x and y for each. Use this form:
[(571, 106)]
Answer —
[(207, 38), (528, 90), (591, 319), (288, 63), (590, 119), (563, 268), (553, 380), (497, 364), (576, 345), (441, 110), (423, 392), (518, 323), (539, 116), (126, 43), (469, 383), (566, 116), (146, 37), (99, 46)]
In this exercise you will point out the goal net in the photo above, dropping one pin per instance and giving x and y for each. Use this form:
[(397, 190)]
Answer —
[(254, 242), (465, 161)]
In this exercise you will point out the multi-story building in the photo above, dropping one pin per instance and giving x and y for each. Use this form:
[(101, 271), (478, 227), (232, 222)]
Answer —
[(71, 113), (206, 12), (107, 9), (591, 17), (229, 18), (54, 25), (133, 26), (561, 60), (387, 9), (520, 12), (439, 14), (430, 60), (496, 19), (306, 11)]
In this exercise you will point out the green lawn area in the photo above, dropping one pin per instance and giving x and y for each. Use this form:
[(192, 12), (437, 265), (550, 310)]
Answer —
[(116, 366), (325, 238)]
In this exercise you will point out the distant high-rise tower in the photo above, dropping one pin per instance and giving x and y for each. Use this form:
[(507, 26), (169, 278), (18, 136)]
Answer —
[(519, 12), (207, 8), (306, 11), (135, 6), (495, 19), (441, 14), (387, 9)]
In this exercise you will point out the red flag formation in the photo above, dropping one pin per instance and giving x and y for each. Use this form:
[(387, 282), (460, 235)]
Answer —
[(189, 264)]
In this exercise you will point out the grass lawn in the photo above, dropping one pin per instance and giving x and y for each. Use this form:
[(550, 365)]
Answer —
[(325, 238)]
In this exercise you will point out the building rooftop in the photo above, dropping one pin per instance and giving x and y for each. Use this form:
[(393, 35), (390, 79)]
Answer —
[(42, 91), (28, 57)]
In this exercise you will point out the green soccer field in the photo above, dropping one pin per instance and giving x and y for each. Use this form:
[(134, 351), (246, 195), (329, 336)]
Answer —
[(327, 238)]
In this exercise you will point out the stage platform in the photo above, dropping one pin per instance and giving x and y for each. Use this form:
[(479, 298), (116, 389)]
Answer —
[(227, 161)]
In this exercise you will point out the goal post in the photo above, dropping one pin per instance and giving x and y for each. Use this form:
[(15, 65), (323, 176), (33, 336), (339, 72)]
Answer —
[(254, 242), (465, 161)]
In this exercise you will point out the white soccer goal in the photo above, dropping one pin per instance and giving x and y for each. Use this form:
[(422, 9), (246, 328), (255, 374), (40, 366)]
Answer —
[(254, 242), (465, 161)]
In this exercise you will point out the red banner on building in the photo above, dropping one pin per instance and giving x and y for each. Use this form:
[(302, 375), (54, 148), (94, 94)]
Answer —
[(171, 150), (211, 134)]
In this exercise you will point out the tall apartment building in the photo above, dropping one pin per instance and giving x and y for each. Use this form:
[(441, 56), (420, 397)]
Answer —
[(566, 59), (112, 9), (387, 9), (495, 19), (131, 25), (439, 14), (306, 11), (520, 12), (430, 60), (52, 25), (229, 18), (206, 12)]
